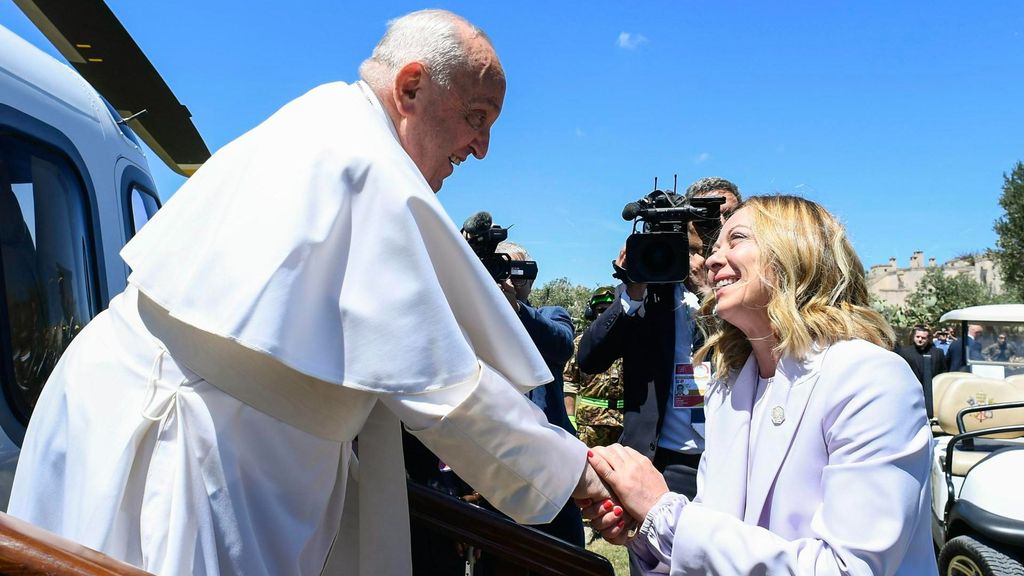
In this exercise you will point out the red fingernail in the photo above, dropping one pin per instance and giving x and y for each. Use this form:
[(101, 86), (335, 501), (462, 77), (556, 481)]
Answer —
[(617, 511), (608, 504), (590, 453), (621, 524)]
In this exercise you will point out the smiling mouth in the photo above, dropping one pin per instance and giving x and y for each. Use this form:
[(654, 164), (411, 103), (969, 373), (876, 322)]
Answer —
[(726, 282), (455, 160)]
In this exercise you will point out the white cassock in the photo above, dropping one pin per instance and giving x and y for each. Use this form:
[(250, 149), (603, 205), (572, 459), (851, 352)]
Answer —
[(304, 287)]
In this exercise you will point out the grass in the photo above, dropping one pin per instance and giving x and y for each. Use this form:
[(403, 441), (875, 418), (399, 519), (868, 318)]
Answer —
[(615, 554)]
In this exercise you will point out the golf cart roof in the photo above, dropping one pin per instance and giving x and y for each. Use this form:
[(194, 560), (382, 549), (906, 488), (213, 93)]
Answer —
[(988, 313)]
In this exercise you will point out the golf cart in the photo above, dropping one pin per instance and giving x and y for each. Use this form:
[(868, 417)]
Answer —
[(978, 463)]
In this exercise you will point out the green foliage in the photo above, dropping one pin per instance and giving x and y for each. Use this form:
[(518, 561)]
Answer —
[(938, 293), (1010, 228), (562, 292), (895, 315)]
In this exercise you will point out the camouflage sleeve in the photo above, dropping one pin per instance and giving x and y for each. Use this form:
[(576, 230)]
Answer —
[(571, 373)]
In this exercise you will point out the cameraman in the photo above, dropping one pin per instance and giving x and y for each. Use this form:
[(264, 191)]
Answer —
[(652, 329), (551, 329), (714, 187)]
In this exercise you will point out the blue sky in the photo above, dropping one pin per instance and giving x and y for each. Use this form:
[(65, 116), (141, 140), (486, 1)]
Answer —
[(899, 117)]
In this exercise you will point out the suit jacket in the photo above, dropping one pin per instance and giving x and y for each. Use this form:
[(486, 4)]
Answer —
[(955, 357), (956, 354), (973, 348), (647, 347), (841, 480), (916, 360), (930, 363), (551, 329)]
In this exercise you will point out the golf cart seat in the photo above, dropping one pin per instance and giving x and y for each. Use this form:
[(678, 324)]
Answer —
[(972, 391), (939, 385)]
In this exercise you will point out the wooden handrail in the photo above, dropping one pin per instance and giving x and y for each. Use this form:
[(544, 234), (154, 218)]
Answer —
[(27, 550), (520, 546)]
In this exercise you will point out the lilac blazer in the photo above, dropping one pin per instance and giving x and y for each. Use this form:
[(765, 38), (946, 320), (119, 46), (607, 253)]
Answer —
[(837, 482)]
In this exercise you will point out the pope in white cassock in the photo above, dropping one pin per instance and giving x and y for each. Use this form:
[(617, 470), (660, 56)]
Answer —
[(303, 288)]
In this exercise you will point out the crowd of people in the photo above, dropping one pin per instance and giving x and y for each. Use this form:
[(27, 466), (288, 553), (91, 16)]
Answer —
[(237, 409), (929, 355)]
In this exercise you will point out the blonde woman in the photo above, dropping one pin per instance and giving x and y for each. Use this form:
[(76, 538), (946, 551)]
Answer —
[(817, 446)]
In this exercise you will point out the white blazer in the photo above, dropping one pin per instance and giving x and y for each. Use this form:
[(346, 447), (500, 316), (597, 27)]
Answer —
[(835, 483)]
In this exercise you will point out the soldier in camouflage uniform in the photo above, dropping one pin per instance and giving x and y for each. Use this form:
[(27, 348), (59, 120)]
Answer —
[(598, 399)]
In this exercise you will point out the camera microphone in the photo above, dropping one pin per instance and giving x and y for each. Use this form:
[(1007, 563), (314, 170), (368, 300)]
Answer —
[(477, 224), (629, 211)]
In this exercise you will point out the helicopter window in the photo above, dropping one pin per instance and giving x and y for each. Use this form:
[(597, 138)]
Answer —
[(47, 265), (144, 206)]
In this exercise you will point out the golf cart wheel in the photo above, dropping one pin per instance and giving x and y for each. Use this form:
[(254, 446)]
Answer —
[(967, 556)]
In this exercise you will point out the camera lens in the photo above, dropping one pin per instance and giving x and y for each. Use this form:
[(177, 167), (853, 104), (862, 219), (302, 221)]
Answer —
[(659, 257)]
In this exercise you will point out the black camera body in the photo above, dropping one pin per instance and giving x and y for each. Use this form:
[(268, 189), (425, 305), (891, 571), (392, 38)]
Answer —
[(660, 251), (483, 237)]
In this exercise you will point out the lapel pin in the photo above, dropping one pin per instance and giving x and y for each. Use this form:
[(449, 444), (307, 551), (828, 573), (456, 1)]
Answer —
[(778, 415)]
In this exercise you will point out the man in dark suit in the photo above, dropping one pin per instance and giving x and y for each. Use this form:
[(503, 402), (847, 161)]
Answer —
[(925, 360), (955, 355), (652, 329)]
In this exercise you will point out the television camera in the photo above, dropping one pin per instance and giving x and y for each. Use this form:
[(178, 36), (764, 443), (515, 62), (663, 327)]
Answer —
[(483, 237), (659, 252)]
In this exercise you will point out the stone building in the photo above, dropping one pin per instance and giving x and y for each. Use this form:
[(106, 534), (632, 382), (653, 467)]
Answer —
[(892, 284)]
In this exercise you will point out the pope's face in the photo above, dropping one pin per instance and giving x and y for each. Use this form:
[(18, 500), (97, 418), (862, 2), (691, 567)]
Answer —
[(455, 122), (735, 273)]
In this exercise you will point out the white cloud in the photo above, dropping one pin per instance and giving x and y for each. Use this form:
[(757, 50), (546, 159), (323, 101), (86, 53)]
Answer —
[(701, 158), (629, 41)]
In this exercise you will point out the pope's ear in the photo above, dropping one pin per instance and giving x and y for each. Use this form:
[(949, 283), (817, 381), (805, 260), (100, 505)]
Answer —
[(409, 83)]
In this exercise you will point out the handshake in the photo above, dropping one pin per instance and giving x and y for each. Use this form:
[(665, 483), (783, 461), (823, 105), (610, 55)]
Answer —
[(618, 488)]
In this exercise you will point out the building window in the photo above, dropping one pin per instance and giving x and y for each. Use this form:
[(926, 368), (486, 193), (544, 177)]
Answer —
[(48, 266)]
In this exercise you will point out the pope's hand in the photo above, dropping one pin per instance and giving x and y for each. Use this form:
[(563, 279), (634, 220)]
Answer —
[(590, 486), (631, 476), (592, 494)]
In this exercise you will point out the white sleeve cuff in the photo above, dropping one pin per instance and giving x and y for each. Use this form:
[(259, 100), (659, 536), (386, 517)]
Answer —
[(502, 445), (653, 544), (632, 307)]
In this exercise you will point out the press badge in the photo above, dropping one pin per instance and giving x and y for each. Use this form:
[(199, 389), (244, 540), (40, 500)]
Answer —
[(689, 385)]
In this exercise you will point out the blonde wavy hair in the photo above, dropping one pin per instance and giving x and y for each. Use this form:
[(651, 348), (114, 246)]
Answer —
[(818, 292)]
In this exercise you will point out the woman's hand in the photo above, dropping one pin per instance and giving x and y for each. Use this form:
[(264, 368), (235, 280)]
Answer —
[(631, 476), (610, 519)]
